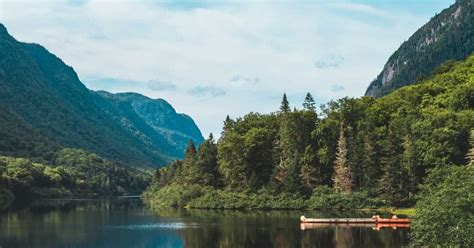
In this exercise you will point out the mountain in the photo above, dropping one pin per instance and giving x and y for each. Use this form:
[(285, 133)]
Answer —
[(447, 36), (156, 119), (44, 107)]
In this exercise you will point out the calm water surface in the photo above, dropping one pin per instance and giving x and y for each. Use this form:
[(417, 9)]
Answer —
[(128, 223)]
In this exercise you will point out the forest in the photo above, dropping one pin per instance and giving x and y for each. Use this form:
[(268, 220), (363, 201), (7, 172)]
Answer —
[(351, 153), (71, 173), (380, 148)]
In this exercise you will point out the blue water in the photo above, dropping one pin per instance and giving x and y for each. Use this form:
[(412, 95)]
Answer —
[(128, 223)]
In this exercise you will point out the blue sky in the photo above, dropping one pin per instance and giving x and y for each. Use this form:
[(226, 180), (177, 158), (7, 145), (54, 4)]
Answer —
[(213, 58)]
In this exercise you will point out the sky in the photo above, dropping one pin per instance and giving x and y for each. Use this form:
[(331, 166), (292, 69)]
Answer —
[(210, 59)]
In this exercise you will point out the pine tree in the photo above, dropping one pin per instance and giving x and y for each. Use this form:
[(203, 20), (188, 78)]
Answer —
[(158, 177), (309, 104), (188, 167), (231, 162), (228, 124), (342, 175), (287, 144), (285, 105), (371, 172), (292, 182), (206, 163), (391, 184), (175, 172), (310, 173), (258, 156)]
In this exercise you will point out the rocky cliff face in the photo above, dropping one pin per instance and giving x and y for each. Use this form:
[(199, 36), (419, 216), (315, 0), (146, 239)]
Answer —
[(447, 36)]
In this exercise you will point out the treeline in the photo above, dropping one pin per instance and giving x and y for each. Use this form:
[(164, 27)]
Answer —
[(381, 148), (70, 173)]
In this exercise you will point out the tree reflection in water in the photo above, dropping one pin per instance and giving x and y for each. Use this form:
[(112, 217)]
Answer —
[(127, 223), (279, 229)]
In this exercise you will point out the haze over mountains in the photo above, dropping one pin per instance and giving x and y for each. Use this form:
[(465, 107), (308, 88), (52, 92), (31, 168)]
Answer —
[(447, 36), (44, 106)]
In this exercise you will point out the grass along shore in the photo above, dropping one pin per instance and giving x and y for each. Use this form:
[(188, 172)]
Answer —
[(204, 197)]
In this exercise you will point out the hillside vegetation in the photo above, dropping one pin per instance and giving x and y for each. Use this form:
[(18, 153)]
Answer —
[(447, 36), (44, 107), (353, 153), (73, 173)]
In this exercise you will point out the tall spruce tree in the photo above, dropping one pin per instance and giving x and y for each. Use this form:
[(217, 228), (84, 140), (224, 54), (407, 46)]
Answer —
[(231, 162), (393, 179), (206, 163), (309, 104), (285, 105), (310, 170), (292, 182), (258, 156), (342, 175), (189, 168)]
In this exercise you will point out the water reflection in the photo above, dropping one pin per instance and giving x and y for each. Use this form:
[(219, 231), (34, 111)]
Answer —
[(127, 223)]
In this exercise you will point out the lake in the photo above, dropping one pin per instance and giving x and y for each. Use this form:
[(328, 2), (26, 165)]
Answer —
[(128, 223)]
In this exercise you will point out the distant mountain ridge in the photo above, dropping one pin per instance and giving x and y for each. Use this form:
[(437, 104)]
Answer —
[(447, 36), (44, 106)]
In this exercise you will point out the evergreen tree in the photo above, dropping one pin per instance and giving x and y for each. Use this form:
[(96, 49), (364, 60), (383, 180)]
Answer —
[(292, 182), (231, 162), (175, 172), (206, 163), (309, 104), (258, 156), (158, 177), (228, 124), (287, 144), (391, 184), (285, 105), (189, 169), (310, 170), (370, 169), (342, 175)]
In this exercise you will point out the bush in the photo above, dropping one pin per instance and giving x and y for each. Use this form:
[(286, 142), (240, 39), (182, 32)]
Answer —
[(325, 198), (196, 196), (445, 212)]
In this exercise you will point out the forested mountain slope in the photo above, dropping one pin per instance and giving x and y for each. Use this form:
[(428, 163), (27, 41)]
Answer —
[(44, 106), (354, 153), (447, 36)]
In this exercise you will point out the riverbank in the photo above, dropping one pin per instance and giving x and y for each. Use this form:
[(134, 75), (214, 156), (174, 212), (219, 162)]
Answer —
[(202, 197), (402, 211)]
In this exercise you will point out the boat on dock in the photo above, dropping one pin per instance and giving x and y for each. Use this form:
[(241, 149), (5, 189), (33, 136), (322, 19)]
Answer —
[(376, 219), (374, 226)]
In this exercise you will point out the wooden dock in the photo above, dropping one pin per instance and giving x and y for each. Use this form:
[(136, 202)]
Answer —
[(374, 226), (374, 220)]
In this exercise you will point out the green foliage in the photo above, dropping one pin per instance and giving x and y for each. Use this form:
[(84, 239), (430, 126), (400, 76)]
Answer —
[(447, 36), (326, 198), (206, 163), (197, 196), (74, 173), (356, 153), (285, 105), (445, 212), (44, 107)]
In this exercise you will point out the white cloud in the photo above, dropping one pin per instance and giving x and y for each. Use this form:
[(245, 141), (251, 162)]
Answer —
[(205, 91), (156, 85), (249, 53)]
